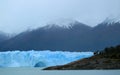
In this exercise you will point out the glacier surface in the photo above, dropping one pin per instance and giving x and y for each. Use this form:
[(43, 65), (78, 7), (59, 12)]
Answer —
[(39, 58)]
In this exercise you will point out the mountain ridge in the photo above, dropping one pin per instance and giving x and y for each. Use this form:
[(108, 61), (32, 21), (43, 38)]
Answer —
[(78, 37)]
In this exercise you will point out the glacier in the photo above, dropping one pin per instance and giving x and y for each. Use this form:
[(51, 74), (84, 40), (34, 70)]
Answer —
[(39, 58)]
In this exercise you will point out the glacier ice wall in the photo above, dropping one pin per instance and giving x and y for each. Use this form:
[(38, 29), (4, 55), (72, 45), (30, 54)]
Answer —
[(45, 58)]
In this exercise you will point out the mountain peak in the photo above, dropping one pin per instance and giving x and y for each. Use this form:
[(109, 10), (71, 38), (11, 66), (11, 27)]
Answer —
[(51, 26), (111, 20), (66, 24)]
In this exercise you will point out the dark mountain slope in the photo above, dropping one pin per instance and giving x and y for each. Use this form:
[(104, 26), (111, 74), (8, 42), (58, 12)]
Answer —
[(51, 37), (105, 35), (75, 37)]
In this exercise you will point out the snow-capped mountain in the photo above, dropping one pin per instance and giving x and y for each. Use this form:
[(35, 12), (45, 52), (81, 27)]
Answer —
[(111, 20), (65, 23), (76, 37)]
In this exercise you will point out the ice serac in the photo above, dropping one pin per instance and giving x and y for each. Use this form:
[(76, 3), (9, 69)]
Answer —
[(39, 58)]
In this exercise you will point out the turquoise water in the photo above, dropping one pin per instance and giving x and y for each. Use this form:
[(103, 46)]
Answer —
[(38, 71)]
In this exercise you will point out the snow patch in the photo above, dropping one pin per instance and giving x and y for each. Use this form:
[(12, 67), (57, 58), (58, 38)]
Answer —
[(112, 20)]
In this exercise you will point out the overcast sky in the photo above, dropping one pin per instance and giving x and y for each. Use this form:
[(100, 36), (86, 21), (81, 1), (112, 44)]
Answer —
[(19, 15)]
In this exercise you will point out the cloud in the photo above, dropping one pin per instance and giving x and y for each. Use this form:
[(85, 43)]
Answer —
[(18, 15)]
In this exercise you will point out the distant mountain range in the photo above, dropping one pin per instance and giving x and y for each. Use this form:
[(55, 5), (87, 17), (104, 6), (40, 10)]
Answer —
[(74, 37)]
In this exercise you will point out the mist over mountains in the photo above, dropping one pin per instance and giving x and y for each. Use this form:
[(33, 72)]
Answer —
[(3, 36), (75, 37)]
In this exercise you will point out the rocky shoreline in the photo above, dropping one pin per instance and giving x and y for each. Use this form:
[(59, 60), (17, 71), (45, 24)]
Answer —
[(107, 59)]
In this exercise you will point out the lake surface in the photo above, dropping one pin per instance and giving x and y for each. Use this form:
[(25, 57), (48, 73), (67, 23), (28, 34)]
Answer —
[(38, 71)]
